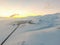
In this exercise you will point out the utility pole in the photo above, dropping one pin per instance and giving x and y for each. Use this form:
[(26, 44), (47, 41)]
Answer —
[(9, 35)]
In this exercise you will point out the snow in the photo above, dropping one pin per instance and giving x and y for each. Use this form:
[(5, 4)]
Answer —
[(38, 30)]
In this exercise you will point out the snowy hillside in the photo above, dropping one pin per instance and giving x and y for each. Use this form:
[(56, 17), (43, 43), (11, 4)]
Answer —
[(38, 30)]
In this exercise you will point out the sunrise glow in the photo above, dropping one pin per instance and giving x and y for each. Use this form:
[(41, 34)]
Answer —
[(18, 13), (27, 8)]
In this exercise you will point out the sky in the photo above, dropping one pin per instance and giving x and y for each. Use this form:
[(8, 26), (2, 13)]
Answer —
[(29, 7)]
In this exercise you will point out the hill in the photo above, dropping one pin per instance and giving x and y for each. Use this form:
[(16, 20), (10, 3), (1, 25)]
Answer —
[(37, 30)]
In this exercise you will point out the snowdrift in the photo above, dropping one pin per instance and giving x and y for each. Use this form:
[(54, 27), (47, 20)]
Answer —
[(38, 30)]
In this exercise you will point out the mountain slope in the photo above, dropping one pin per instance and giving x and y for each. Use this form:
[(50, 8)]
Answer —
[(38, 30)]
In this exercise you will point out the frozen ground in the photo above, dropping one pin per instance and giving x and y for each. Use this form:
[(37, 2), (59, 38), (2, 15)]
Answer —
[(39, 30)]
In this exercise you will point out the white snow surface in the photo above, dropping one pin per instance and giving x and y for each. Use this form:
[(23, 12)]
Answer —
[(38, 30)]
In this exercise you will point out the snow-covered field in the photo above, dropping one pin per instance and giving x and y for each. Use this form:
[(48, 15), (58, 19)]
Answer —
[(39, 30)]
